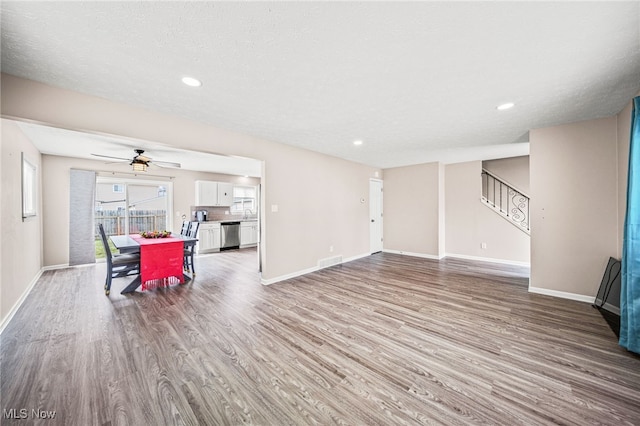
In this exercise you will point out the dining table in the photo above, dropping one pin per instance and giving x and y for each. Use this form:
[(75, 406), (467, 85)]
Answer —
[(161, 259)]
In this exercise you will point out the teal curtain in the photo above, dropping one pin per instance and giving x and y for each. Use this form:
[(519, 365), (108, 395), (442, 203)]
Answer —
[(630, 289)]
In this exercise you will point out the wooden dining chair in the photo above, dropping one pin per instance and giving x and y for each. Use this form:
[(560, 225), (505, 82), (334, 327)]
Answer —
[(118, 265), (189, 250), (185, 227)]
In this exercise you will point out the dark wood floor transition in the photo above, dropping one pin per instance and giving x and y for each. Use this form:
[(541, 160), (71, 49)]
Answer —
[(387, 339)]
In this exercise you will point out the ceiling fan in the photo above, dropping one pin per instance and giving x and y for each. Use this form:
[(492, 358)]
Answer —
[(140, 162)]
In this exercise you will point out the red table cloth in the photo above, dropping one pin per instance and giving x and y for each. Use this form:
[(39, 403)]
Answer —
[(161, 261)]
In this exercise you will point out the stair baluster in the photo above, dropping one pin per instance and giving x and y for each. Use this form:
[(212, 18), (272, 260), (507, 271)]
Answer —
[(515, 201)]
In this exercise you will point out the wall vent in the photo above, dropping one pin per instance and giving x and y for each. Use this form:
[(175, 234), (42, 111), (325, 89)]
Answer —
[(329, 261)]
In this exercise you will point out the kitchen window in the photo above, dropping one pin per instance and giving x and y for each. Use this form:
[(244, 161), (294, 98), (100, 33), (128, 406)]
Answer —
[(244, 200)]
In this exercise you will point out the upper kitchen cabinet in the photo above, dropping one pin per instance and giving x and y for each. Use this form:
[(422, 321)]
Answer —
[(225, 194), (213, 193), (206, 193)]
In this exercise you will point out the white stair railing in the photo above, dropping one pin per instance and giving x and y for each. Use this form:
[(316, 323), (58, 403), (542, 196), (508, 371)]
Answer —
[(506, 200)]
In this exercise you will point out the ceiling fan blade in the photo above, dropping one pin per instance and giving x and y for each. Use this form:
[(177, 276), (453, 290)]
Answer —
[(113, 158), (167, 164), (139, 158)]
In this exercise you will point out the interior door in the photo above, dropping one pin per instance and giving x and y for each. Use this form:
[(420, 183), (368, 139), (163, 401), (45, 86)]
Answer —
[(259, 225), (375, 215)]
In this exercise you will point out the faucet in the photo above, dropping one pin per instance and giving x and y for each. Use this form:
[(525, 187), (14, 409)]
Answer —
[(246, 215)]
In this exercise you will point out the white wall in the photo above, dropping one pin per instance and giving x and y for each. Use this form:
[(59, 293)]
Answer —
[(434, 210), (512, 170), (574, 205), (318, 196), (469, 223), (21, 241), (412, 213)]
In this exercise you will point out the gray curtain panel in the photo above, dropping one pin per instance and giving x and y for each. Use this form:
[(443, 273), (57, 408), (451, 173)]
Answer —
[(82, 230)]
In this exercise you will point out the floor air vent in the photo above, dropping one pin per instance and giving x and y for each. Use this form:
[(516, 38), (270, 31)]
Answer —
[(329, 261)]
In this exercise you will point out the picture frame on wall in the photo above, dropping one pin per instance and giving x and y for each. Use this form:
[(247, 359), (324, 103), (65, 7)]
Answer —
[(29, 188)]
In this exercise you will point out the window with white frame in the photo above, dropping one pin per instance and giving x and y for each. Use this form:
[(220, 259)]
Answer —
[(244, 200), (29, 188)]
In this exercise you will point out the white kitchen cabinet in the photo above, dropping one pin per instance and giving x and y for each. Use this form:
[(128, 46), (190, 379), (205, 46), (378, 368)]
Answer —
[(206, 193), (248, 233), (209, 193), (208, 237), (225, 194)]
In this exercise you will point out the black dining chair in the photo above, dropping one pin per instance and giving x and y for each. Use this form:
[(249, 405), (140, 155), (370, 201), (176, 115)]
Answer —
[(189, 249), (185, 227), (118, 265)]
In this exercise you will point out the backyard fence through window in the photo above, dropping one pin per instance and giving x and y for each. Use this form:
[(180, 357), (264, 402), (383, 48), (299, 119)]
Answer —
[(113, 221)]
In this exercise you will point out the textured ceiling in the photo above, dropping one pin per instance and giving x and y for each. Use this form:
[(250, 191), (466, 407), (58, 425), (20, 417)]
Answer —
[(415, 81)]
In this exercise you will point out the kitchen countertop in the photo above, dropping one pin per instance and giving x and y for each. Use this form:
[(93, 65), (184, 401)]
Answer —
[(230, 220)]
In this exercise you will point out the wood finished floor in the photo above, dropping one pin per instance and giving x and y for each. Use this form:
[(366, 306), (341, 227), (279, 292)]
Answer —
[(386, 340)]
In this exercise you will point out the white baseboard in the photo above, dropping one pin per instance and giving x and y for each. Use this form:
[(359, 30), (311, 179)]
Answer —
[(20, 301), (288, 276), (54, 267), (360, 256), (488, 259), (408, 253), (66, 265), (308, 271), (562, 294), (459, 256)]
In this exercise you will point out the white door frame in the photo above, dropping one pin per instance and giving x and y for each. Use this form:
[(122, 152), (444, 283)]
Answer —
[(151, 182)]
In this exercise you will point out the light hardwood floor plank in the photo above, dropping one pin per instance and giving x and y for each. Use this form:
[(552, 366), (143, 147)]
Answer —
[(383, 340)]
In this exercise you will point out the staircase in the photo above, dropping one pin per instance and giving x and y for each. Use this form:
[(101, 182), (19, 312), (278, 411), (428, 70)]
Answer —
[(507, 201)]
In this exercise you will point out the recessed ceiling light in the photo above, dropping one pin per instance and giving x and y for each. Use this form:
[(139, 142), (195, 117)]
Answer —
[(505, 106), (190, 81), (357, 142)]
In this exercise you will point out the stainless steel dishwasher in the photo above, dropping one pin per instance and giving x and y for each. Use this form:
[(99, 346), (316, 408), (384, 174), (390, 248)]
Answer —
[(230, 235)]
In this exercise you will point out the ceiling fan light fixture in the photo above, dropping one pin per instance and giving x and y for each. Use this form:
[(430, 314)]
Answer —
[(139, 167)]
